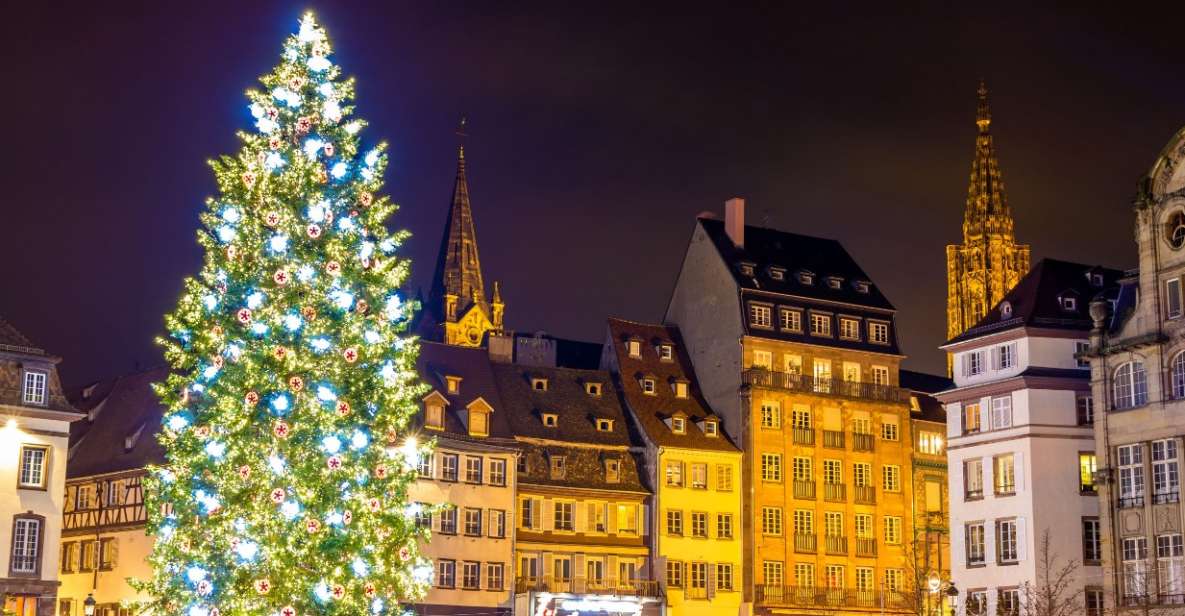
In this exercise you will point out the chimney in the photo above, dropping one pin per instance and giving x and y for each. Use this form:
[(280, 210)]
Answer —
[(734, 220)]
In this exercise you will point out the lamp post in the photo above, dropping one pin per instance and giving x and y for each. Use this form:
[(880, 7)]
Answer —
[(952, 597), (88, 606)]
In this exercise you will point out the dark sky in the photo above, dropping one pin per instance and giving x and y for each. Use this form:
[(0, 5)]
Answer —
[(596, 135)]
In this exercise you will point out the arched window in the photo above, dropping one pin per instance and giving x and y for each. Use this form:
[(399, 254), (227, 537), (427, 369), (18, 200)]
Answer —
[(1130, 388), (1177, 376), (1174, 229)]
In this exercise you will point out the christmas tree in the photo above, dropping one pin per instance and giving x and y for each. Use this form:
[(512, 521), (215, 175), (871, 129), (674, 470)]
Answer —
[(284, 491)]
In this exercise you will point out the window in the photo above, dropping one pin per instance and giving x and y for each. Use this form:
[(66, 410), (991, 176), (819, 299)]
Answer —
[(448, 520), (592, 389), (32, 470), (771, 414), (448, 466), (1094, 601), (498, 472), (446, 573), (771, 521), (833, 523), (1084, 403), (1174, 230), (674, 473), (893, 580), (1135, 567), (529, 510), (771, 570), (34, 390), (1004, 473), (822, 369), (26, 545), (674, 522), (472, 469), (597, 518), (892, 530), (604, 425), (1006, 356), (648, 386), (627, 519), (1172, 297), (69, 557), (1130, 387), (834, 282), (973, 363), (878, 332), (1086, 468), (89, 556), (891, 477), (558, 466), (612, 470), (804, 575), (711, 428), (820, 324), (680, 389), (805, 277), (1081, 348), (863, 525), (564, 518), (470, 575), (453, 384), (723, 477), (699, 524), (1006, 541), (804, 521), (975, 546), (424, 466), (889, 429), (699, 476), (759, 315), (666, 352), (763, 359), (792, 363), (472, 522), (1131, 476), (880, 375), (539, 383), (973, 479), (550, 420), (1069, 303), (849, 329), (930, 443), (972, 421), (1165, 479), (864, 578), (679, 425), (1002, 412), (724, 526), (495, 576), (862, 474), (634, 348), (851, 372), (1092, 541), (674, 574), (423, 517), (1169, 563), (790, 320), (976, 603), (724, 576), (803, 469), (1008, 602), (832, 471), (771, 467)]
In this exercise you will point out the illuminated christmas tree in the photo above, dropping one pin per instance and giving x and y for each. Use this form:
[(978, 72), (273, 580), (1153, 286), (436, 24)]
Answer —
[(285, 487)]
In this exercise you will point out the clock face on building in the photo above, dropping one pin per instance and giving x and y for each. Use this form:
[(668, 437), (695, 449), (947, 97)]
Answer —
[(473, 334)]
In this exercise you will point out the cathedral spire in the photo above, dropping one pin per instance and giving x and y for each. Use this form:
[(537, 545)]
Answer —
[(983, 116), (987, 204)]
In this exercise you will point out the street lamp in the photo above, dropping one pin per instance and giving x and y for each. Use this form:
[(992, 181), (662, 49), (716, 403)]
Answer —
[(88, 606), (952, 596)]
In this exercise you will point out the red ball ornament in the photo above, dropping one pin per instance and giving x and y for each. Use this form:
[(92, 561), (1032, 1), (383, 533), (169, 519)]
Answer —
[(244, 315), (249, 178), (374, 504), (365, 199), (244, 471), (314, 231), (252, 398), (404, 554), (281, 277), (338, 591), (280, 353), (312, 525), (350, 355), (288, 611), (304, 124), (272, 113), (347, 517), (329, 149), (271, 219), (308, 313), (369, 590), (296, 383), (274, 143), (334, 463), (361, 306), (343, 408), (278, 495), (333, 267), (281, 429), (296, 83), (380, 471), (262, 586)]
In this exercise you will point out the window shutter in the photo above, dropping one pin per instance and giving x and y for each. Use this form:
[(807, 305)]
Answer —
[(1018, 471), (988, 470), (611, 518), (711, 579), (548, 566), (113, 547), (548, 513), (643, 524), (579, 569), (1022, 544), (989, 541), (964, 363), (536, 514), (581, 520), (958, 549), (591, 518), (995, 358), (611, 570)]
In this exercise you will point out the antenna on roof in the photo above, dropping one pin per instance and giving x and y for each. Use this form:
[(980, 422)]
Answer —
[(461, 135)]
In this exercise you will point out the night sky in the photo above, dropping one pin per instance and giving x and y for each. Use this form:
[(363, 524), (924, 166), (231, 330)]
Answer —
[(596, 136)]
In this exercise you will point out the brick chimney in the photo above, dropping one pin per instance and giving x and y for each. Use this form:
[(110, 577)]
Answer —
[(734, 220)]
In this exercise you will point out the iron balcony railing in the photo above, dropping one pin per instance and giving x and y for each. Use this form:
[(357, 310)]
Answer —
[(1160, 498), (833, 439), (865, 495), (1005, 489), (818, 596), (866, 547), (835, 545), (863, 442), (973, 495), (835, 492), (804, 489), (1128, 502), (805, 543), (761, 377), (594, 586), (804, 436)]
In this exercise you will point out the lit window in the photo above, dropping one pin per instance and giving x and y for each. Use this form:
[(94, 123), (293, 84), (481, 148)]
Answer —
[(604, 425), (711, 428), (930, 443), (453, 383), (550, 420), (849, 329), (666, 352), (592, 389), (634, 348), (1086, 468), (790, 320), (680, 389), (678, 425), (880, 375), (972, 420), (34, 459), (1004, 474), (759, 315), (763, 359), (1130, 388), (434, 411), (539, 383), (820, 324), (878, 332), (34, 391)]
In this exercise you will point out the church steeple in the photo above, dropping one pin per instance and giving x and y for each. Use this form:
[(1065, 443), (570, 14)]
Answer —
[(989, 262), (458, 300)]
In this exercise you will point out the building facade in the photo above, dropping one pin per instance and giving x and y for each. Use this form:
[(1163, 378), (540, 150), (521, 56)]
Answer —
[(989, 262), (466, 489), (795, 349), (928, 487), (35, 422), (1138, 380), (1021, 445), (692, 464)]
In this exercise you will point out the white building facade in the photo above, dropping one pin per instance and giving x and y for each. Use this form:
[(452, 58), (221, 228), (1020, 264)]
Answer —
[(1021, 446)]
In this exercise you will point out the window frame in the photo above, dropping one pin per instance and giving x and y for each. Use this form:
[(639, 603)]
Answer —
[(761, 315), (790, 320), (27, 448), (821, 324), (878, 332), (38, 555), (37, 375), (849, 328)]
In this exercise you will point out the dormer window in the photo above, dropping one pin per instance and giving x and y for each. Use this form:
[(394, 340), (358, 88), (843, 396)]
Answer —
[(479, 417), (604, 425), (746, 268), (680, 388), (1005, 309), (835, 282), (679, 425), (648, 386), (862, 286), (550, 420), (711, 427), (434, 404), (634, 348), (1096, 279), (592, 389), (34, 387), (805, 277), (558, 466), (453, 384), (666, 352), (538, 383), (612, 470), (1069, 304), (776, 273), (760, 315)]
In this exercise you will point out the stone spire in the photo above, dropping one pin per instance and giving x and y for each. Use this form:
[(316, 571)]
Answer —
[(987, 204)]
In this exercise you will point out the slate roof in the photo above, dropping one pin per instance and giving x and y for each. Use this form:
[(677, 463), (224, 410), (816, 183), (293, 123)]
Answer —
[(823, 257), (477, 380), (922, 386), (652, 410), (121, 411), (10, 336), (1035, 299)]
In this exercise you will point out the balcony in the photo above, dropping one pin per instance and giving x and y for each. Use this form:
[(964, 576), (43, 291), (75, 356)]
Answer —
[(760, 377), (863, 442), (865, 495), (833, 439), (584, 585), (804, 489), (1161, 498), (835, 492), (804, 436), (973, 495), (817, 596), (1131, 502), (806, 543), (866, 547), (835, 545), (1005, 489)]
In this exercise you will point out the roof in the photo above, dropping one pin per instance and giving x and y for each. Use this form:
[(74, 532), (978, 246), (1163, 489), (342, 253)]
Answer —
[(1034, 301), (458, 266), (565, 396), (578, 354), (11, 339), (794, 252), (924, 381), (651, 410), (121, 411), (436, 361)]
